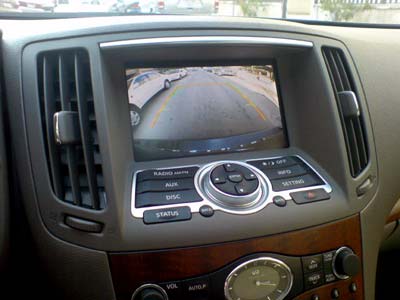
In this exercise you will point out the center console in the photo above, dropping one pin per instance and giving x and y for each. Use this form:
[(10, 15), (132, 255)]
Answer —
[(205, 164)]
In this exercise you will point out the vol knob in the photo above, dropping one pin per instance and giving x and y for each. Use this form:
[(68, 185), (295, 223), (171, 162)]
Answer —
[(346, 263), (149, 292)]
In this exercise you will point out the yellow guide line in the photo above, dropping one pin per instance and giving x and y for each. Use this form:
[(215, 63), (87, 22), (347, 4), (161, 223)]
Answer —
[(248, 100), (165, 103), (173, 93)]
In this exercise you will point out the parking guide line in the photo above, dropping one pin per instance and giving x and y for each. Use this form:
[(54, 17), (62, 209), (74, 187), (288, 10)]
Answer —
[(164, 105), (249, 101)]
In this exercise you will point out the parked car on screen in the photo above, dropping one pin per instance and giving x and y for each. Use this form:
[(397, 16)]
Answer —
[(143, 88), (175, 74), (46, 5), (138, 6), (9, 3), (223, 72), (193, 6)]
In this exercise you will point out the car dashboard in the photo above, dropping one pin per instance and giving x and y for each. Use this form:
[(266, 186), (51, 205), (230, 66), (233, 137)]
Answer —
[(172, 157)]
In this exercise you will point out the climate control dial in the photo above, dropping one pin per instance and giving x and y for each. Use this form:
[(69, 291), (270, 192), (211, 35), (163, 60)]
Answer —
[(345, 263)]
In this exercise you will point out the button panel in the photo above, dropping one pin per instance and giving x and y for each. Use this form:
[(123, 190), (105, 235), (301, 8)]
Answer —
[(287, 178), (308, 272), (287, 173)]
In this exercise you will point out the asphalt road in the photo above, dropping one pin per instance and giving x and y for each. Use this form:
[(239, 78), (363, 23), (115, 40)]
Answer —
[(202, 106)]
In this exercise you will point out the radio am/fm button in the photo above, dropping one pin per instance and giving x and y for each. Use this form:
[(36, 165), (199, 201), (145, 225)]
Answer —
[(167, 174), (164, 185), (165, 198), (293, 183), (164, 215)]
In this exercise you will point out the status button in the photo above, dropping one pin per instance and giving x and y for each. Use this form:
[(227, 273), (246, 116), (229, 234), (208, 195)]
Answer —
[(172, 214)]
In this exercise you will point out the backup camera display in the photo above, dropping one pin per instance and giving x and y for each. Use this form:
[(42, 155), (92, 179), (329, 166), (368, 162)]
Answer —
[(177, 112)]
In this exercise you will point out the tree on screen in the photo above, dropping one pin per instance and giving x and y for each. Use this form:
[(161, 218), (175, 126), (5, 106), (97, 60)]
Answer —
[(341, 10), (250, 7)]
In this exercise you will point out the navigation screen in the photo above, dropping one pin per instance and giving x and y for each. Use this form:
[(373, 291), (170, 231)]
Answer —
[(178, 112)]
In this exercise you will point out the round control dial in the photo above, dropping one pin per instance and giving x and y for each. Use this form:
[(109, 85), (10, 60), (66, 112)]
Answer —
[(234, 179), (260, 278), (149, 292), (345, 263), (235, 186)]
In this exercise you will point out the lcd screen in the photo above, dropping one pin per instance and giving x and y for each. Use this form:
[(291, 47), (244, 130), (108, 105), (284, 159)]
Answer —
[(179, 112)]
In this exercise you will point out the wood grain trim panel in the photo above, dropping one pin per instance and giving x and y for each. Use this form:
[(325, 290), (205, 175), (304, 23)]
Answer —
[(130, 270)]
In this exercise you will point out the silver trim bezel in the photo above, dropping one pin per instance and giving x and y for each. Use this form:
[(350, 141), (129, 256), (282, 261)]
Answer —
[(334, 259), (149, 285), (182, 40), (257, 199), (264, 258), (195, 206)]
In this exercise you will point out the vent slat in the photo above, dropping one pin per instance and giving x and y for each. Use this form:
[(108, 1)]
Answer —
[(87, 144), (349, 109), (49, 109), (361, 141), (335, 72), (342, 72), (64, 75), (75, 167)]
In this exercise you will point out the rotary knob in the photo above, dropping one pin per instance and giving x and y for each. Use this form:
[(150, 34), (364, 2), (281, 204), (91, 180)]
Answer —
[(345, 263), (236, 186), (149, 292)]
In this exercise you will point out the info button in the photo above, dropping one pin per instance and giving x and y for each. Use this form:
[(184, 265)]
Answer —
[(172, 214)]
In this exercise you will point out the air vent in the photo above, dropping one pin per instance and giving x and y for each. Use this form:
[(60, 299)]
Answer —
[(349, 109), (67, 108)]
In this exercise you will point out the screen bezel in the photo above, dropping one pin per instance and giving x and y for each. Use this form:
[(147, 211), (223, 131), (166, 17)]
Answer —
[(210, 63)]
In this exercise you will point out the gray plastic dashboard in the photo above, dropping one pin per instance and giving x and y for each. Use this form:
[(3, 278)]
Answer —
[(312, 123)]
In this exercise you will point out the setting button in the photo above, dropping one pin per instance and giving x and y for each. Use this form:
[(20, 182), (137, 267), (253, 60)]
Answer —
[(293, 183), (164, 185), (188, 172), (312, 263), (172, 214), (291, 171), (165, 198)]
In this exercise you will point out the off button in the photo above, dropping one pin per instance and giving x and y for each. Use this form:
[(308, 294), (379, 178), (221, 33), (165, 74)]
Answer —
[(172, 214)]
